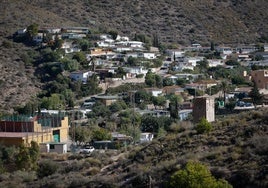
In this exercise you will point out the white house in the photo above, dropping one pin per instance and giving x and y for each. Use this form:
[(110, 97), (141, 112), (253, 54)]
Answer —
[(154, 91), (146, 137), (225, 50), (56, 147), (81, 75), (215, 62), (148, 55), (135, 70), (193, 60), (265, 47), (69, 47), (184, 114), (105, 36), (135, 44)]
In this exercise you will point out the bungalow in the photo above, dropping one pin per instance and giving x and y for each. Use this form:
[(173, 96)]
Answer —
[(52, 30), (146, 137), (135, 44), (193, 60), (188, 76), (105, 43), (149, 55), (72, 36), (135, 70), (225, 50), (81, 75), (79, 30), (154, 91), (53, 147), (184, 114), (107, 100), (246, 49), (70, 47), (175, 53), (122, 49), (173, 90), (215, 62)]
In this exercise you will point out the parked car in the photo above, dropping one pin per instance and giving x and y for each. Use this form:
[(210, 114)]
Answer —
[(87, 149)]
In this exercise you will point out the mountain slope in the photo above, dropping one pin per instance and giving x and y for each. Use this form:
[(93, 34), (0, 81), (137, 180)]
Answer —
[(173, 21)]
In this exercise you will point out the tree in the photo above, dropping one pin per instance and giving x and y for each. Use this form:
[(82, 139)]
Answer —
[(174, 106), (151, 123), (196, 175), (257, 98), (101, 134), (224, 87), (167, 82), (84, 44), (132, 61), (150, 79), (159, 101), (57, 43), (27, 157), (81, 58), (203, 126), (113, 34), (80, 134), (32, 30)]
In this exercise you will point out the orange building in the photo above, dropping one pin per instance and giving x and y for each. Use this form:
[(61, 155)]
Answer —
[(17, 130)]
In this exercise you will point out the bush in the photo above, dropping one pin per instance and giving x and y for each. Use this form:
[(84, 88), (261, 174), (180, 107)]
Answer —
[(46, 168), (196, 175), (203, 126)]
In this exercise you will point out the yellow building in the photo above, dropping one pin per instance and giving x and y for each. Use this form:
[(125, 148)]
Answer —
[(17, 130)]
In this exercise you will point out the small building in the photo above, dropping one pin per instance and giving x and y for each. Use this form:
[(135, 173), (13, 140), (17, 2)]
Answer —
[(57, 147), (204, 107), (107, 100), (184, 114), (81, 75), (154, 91), (261, 78), (172, 90), (146, 137)]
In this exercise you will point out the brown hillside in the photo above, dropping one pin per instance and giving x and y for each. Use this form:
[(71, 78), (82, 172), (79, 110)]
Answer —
[(180, 21)]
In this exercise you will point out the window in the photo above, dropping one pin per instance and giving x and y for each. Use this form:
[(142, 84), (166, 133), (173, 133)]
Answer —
[(51, 146)]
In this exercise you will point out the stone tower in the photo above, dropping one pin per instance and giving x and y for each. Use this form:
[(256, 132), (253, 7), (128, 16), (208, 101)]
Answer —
[(204, 107)]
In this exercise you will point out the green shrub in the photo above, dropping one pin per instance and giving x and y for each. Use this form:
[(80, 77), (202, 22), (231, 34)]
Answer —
[(46, 168), (203, 126), (196, 175)]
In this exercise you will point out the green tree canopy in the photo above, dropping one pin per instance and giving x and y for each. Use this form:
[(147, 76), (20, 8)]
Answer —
[(101, 134), (80, 134), (203, 126), (257, 98), (196, 175)]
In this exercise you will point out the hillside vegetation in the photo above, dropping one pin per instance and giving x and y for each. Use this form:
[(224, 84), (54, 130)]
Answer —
[(174, 22), (235, 150)]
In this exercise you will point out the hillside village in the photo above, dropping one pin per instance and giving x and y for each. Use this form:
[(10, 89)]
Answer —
[(124, 91)]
